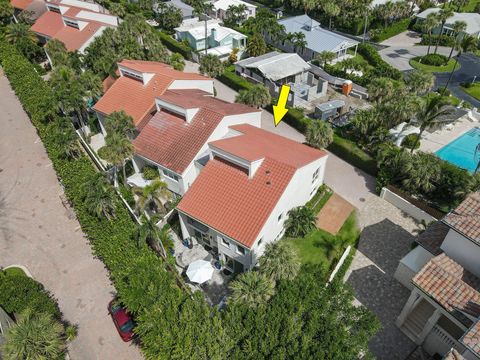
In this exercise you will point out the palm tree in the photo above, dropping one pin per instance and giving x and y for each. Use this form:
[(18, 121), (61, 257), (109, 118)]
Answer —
[(57, 52), (468, 43), (99, 197), (319, 134), (257, 96), (149, 233), (117, 9), (117, 150), (430, 23), (331, 9), (430, 114), (66, 140), (325, 57), (301, 220), (177, 61), (420, 81), (6, 11), (443, 15), (119, 122), (91, 85), (34, 336), (203, 7), (252, 289), (458, 27), (256, 45), (280, 261), (17, 33), (382, 89), (150, 197), (297, 39), (211, 65)]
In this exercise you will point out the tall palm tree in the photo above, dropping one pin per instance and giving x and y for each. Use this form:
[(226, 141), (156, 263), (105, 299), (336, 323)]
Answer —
[(66, 140), (443, 15), (319, 134), (99, 197), (331, 9), (91, 85), (257, 96), (16, 33), (34, 336), (117, 150), (468, 43), (152, 196), (149, 233), (119, 122), (325, 57), (301, 220), (203, 8), (280, 261), (420, 81), (458, 27), (252, 289), (57, 52), (430, 114), (430, 23)]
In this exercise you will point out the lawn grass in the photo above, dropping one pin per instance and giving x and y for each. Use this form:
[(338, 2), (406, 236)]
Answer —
[(435, 69), (14, 271), (321, 197), (473, 90), (321, 247)]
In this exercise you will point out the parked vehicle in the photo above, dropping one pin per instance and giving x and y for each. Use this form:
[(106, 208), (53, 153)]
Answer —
[(122, 320)]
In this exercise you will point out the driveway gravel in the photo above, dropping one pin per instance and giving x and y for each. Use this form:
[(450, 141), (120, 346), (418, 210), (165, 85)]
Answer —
[(37, 231)]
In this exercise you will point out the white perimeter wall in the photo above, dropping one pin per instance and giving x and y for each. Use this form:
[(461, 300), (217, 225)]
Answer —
[(463, 251), (205, 85), (406, 206)]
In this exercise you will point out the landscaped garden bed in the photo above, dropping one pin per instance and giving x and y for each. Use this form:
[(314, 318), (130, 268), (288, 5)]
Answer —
[(472, 90), (434, 63)]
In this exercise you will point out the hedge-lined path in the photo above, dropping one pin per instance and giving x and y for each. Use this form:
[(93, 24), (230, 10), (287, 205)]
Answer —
[(36, 231)]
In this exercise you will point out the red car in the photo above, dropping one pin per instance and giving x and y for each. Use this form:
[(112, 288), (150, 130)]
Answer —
[(121, 318)]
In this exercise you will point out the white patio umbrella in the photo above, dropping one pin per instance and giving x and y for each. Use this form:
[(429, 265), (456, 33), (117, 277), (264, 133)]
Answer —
[(200, 271)]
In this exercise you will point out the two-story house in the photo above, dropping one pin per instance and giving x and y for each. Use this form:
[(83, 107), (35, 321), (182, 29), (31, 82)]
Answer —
[(241, 199), (275, 69), (443, 310), (138, 85), (73, 22), (218, 40), (176, 138)]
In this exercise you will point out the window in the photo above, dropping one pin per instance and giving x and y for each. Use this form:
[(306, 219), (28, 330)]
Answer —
[(197, 225), (71, 23), (260, 242), (280, 217), (132, 75), (225, 242), (315, 175), (240, 250), (170, 174)]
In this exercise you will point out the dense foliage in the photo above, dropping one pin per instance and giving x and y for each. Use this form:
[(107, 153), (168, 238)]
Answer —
[(300, 321), (433, 59)]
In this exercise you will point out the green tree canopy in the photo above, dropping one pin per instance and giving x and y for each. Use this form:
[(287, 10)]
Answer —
[(257, 96), (319, 134), (301, 220), (211, 65)]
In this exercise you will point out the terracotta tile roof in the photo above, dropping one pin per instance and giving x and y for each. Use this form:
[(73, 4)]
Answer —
[(432, 238), (49, 24), (20, 4), (466, 217), (472, 338), (257, 143), (135, 98), (170, 141), (448, 283), (453, 355), (226, 199)]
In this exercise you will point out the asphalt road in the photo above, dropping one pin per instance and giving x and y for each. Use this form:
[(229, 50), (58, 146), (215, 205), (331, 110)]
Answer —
[(470, 67)]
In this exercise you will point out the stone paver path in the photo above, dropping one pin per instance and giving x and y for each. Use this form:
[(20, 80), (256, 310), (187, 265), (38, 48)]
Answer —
[(334, 213), (36, 231)]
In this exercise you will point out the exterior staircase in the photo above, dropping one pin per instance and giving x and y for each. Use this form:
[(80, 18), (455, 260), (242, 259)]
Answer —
[(417, 319)]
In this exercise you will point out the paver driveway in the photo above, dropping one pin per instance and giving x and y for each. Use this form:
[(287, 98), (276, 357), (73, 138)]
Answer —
[(35, 231)]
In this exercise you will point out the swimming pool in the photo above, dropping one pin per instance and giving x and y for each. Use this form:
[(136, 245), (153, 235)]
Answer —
[(461, 150)]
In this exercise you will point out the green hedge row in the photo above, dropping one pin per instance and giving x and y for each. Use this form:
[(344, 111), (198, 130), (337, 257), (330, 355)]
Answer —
[(444, 40), (234, 81), (19, 292), (396, 28), (175, 46), (351, 153), (381, 68)]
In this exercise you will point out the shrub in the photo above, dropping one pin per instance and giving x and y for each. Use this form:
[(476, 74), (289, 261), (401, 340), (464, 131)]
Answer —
[(444, 40), (432, 59), (175, 46), (380, 67), (234, 81), (391, 30), (150, 172), (409, 140)]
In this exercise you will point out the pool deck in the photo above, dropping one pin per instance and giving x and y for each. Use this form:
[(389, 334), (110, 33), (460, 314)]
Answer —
[(433, 142)]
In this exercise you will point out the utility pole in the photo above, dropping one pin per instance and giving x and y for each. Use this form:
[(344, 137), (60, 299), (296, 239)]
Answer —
[(365, 27)]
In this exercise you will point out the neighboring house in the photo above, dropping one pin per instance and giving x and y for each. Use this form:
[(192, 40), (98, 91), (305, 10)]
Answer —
[(30, 9), (220, 8), (75, 23), (241, 199), (276, 69), (443, 273), (187, 10), (317, 38), (137, 86), (220, 40), (175, 139), (471, 19)]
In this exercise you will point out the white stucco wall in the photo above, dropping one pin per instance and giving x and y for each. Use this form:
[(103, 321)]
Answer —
[(205, 85), (463, 251), (89, 41), (410, 265)]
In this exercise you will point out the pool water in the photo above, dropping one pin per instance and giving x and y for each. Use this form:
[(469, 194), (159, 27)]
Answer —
[(461, 151)]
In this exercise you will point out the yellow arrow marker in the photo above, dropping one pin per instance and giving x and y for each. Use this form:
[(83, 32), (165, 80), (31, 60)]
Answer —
[(279, 110)]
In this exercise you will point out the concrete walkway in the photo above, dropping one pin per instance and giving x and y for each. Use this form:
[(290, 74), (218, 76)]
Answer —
[(37, 231)]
